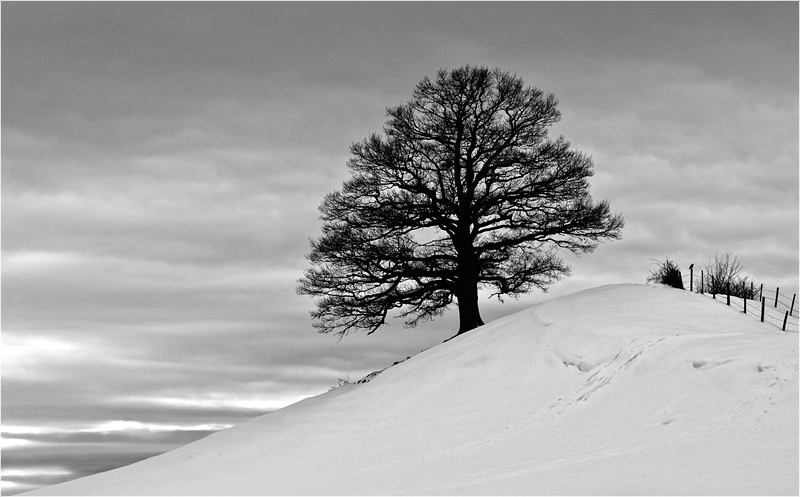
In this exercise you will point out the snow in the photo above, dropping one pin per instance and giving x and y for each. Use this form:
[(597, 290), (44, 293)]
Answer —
[(622, 389)]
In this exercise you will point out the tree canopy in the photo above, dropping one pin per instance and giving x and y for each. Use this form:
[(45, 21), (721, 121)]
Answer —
[(464, 190)]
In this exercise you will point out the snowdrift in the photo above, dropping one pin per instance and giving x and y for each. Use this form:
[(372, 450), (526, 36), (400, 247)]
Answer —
[(623, 389)]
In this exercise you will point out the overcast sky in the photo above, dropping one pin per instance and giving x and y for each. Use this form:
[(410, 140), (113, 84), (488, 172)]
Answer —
[(162, 164)]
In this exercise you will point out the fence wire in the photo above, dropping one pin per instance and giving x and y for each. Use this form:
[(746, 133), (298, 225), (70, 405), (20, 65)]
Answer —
[(781, 309)]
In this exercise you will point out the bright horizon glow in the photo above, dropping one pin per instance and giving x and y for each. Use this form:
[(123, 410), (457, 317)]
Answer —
[(221, 403), (107, 427), (34, 471), (29, 430), (13, 442), (37, 260), (119, 425)]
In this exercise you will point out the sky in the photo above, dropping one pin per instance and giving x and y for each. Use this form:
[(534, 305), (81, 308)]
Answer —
[(162, 165)]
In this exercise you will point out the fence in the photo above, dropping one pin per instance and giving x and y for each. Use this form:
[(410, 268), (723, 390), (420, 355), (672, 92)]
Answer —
[(765, 303)]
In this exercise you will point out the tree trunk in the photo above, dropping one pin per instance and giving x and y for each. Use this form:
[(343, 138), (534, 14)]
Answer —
[(469, 315)]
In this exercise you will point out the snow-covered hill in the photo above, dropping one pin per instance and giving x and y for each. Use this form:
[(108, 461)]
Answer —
[(623, 389)]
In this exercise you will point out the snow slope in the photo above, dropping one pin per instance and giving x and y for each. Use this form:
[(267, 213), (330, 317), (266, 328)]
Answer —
[(623, 389)]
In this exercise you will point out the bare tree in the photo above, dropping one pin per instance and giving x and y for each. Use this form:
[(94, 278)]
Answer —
[(464, 191)]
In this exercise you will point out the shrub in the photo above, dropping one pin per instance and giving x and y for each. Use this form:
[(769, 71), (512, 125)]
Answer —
[(341, 382), (722, 274), (667, 273)]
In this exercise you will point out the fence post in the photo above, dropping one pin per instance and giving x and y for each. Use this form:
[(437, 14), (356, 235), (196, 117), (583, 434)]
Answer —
[(761, 291), (713, 289), (763, 303), (784, 321), (728, 292), (691, 277), (745, 305), (702, 282), (792, 307), (776, 296), (752, 292)]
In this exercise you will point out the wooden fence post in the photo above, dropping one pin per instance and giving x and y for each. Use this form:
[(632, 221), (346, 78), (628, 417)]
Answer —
[(761, 291), (691, 277), (784, 321), (763, 303), (702, 283), (728, 292), (776, 296), (745, 305), (792, 307)]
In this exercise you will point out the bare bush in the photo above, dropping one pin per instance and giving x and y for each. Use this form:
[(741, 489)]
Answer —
[(723, 275), (667, 273), (341, 382)]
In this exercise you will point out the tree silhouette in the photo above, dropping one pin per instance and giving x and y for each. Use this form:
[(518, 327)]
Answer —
[(465, 191)]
